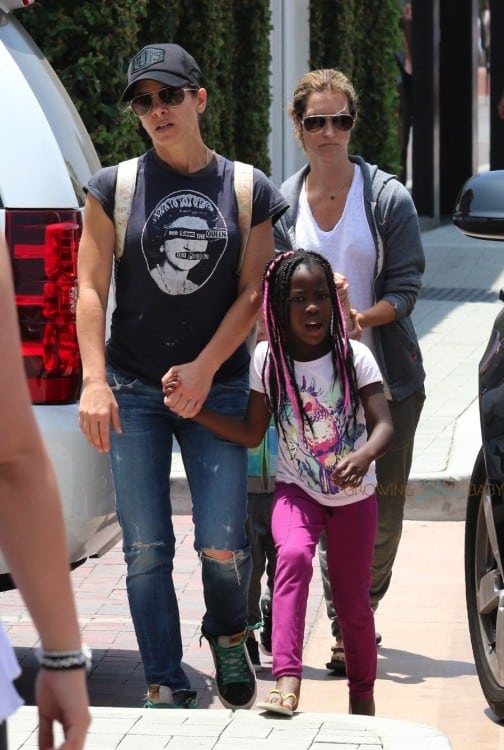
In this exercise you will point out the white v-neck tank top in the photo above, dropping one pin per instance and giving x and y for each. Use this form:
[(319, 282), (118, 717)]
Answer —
[(348, 246)]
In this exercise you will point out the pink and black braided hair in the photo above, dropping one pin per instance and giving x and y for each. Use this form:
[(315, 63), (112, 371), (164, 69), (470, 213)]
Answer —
[(278, 372)]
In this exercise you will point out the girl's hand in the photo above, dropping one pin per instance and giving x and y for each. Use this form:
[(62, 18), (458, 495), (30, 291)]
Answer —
[(350, 470)]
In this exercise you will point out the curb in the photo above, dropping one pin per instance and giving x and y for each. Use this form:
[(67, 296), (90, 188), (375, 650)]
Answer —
[(440, 497), (221, 729)]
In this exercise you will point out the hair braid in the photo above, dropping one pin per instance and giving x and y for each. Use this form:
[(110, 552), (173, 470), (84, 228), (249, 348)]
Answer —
[(278, 373)]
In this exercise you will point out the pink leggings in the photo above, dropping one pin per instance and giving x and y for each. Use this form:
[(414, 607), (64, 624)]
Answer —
[(296, 523)]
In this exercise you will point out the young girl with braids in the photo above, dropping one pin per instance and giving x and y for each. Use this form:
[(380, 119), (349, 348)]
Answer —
[(326, 396)]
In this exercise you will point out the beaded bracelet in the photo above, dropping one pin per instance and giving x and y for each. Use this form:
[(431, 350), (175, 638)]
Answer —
[(65, 659)]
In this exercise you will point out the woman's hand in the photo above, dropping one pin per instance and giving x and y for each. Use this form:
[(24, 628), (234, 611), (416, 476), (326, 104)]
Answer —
[(353, 328), (98, 410)]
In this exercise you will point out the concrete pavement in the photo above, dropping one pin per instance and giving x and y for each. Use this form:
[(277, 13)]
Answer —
[(116, 684), (427, 692)]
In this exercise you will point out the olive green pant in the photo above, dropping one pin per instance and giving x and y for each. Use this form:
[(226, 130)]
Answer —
[(392, 473)]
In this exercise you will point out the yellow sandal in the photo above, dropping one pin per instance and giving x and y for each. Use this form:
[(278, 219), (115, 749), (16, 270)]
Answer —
[(280, 707)]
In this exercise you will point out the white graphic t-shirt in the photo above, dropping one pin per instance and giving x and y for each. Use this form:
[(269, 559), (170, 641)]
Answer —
[(308, 460)]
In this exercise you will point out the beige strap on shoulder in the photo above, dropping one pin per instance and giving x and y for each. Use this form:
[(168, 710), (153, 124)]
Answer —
[(125, 187), (244, 188)]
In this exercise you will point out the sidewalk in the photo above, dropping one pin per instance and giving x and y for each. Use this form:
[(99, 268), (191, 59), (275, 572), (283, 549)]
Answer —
[(116, 684), (453, 318), (427, 692)]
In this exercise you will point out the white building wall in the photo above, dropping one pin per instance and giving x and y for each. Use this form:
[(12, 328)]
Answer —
[(290, 51)]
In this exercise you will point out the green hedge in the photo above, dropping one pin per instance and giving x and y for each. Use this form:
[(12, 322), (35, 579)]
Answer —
[(361, 37), (90, 44)]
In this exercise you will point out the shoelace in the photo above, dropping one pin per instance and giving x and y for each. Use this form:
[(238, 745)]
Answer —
[(233, 664)]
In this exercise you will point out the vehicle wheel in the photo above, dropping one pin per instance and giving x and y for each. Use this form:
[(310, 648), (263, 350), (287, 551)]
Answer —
[(484, 590)]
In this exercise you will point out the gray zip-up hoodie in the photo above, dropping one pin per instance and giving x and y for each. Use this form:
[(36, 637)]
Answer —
[(400, 263)]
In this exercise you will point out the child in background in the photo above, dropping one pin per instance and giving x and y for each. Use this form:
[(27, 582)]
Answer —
[(262, 463), (322, 391), (262, 549)]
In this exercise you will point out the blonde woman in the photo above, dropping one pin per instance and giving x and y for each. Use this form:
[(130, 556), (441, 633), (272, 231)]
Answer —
[(364, 222)]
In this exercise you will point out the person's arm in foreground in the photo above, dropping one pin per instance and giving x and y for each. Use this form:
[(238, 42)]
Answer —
[(353, 467), (195, 378), (32, 536)]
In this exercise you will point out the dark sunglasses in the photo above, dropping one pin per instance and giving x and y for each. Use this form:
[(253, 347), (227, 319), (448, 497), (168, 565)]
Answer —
[(315, 123), (171, 97)]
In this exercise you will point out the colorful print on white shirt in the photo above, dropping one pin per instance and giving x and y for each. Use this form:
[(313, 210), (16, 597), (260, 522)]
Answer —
[(308, 459)]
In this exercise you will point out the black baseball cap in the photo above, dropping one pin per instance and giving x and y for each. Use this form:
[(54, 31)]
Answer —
[(167, 63)]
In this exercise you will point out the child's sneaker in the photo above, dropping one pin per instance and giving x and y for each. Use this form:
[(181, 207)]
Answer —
[(234, 674), (160, 696), (253, 652)]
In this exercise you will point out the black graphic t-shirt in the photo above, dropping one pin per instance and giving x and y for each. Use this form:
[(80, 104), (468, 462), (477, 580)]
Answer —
[(178, 275)]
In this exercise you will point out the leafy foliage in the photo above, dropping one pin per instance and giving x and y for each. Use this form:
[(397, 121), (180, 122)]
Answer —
[(90, 44), (361, 38)]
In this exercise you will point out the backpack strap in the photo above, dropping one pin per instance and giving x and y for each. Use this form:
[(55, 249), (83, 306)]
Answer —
[(244, 188), (125, 187)]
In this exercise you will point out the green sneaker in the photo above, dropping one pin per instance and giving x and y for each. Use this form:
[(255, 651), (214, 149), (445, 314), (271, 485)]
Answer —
[(160, 696), (234, 673)]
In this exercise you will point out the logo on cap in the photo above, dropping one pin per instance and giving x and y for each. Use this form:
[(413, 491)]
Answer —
[(146, 58)]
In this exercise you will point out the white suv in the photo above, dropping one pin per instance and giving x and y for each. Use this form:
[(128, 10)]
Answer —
[(46, 157)]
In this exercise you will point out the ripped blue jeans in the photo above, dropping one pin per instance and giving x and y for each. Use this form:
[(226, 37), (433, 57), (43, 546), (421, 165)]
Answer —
[(217, 475)]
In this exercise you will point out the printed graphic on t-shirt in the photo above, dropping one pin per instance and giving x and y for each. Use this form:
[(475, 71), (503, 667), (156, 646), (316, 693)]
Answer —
[(316, 452), (183, 241)]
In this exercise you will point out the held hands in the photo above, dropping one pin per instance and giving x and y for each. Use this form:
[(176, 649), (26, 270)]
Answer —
[(185, 389), (98, 410)]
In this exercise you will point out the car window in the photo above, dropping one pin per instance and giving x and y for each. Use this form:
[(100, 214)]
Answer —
[(73, 140)]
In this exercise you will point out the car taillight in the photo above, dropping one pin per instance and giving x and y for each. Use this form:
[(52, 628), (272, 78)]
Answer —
[(43, 247)]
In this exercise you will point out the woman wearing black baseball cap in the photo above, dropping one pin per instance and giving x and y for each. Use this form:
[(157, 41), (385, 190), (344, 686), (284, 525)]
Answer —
[(196, 332)]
